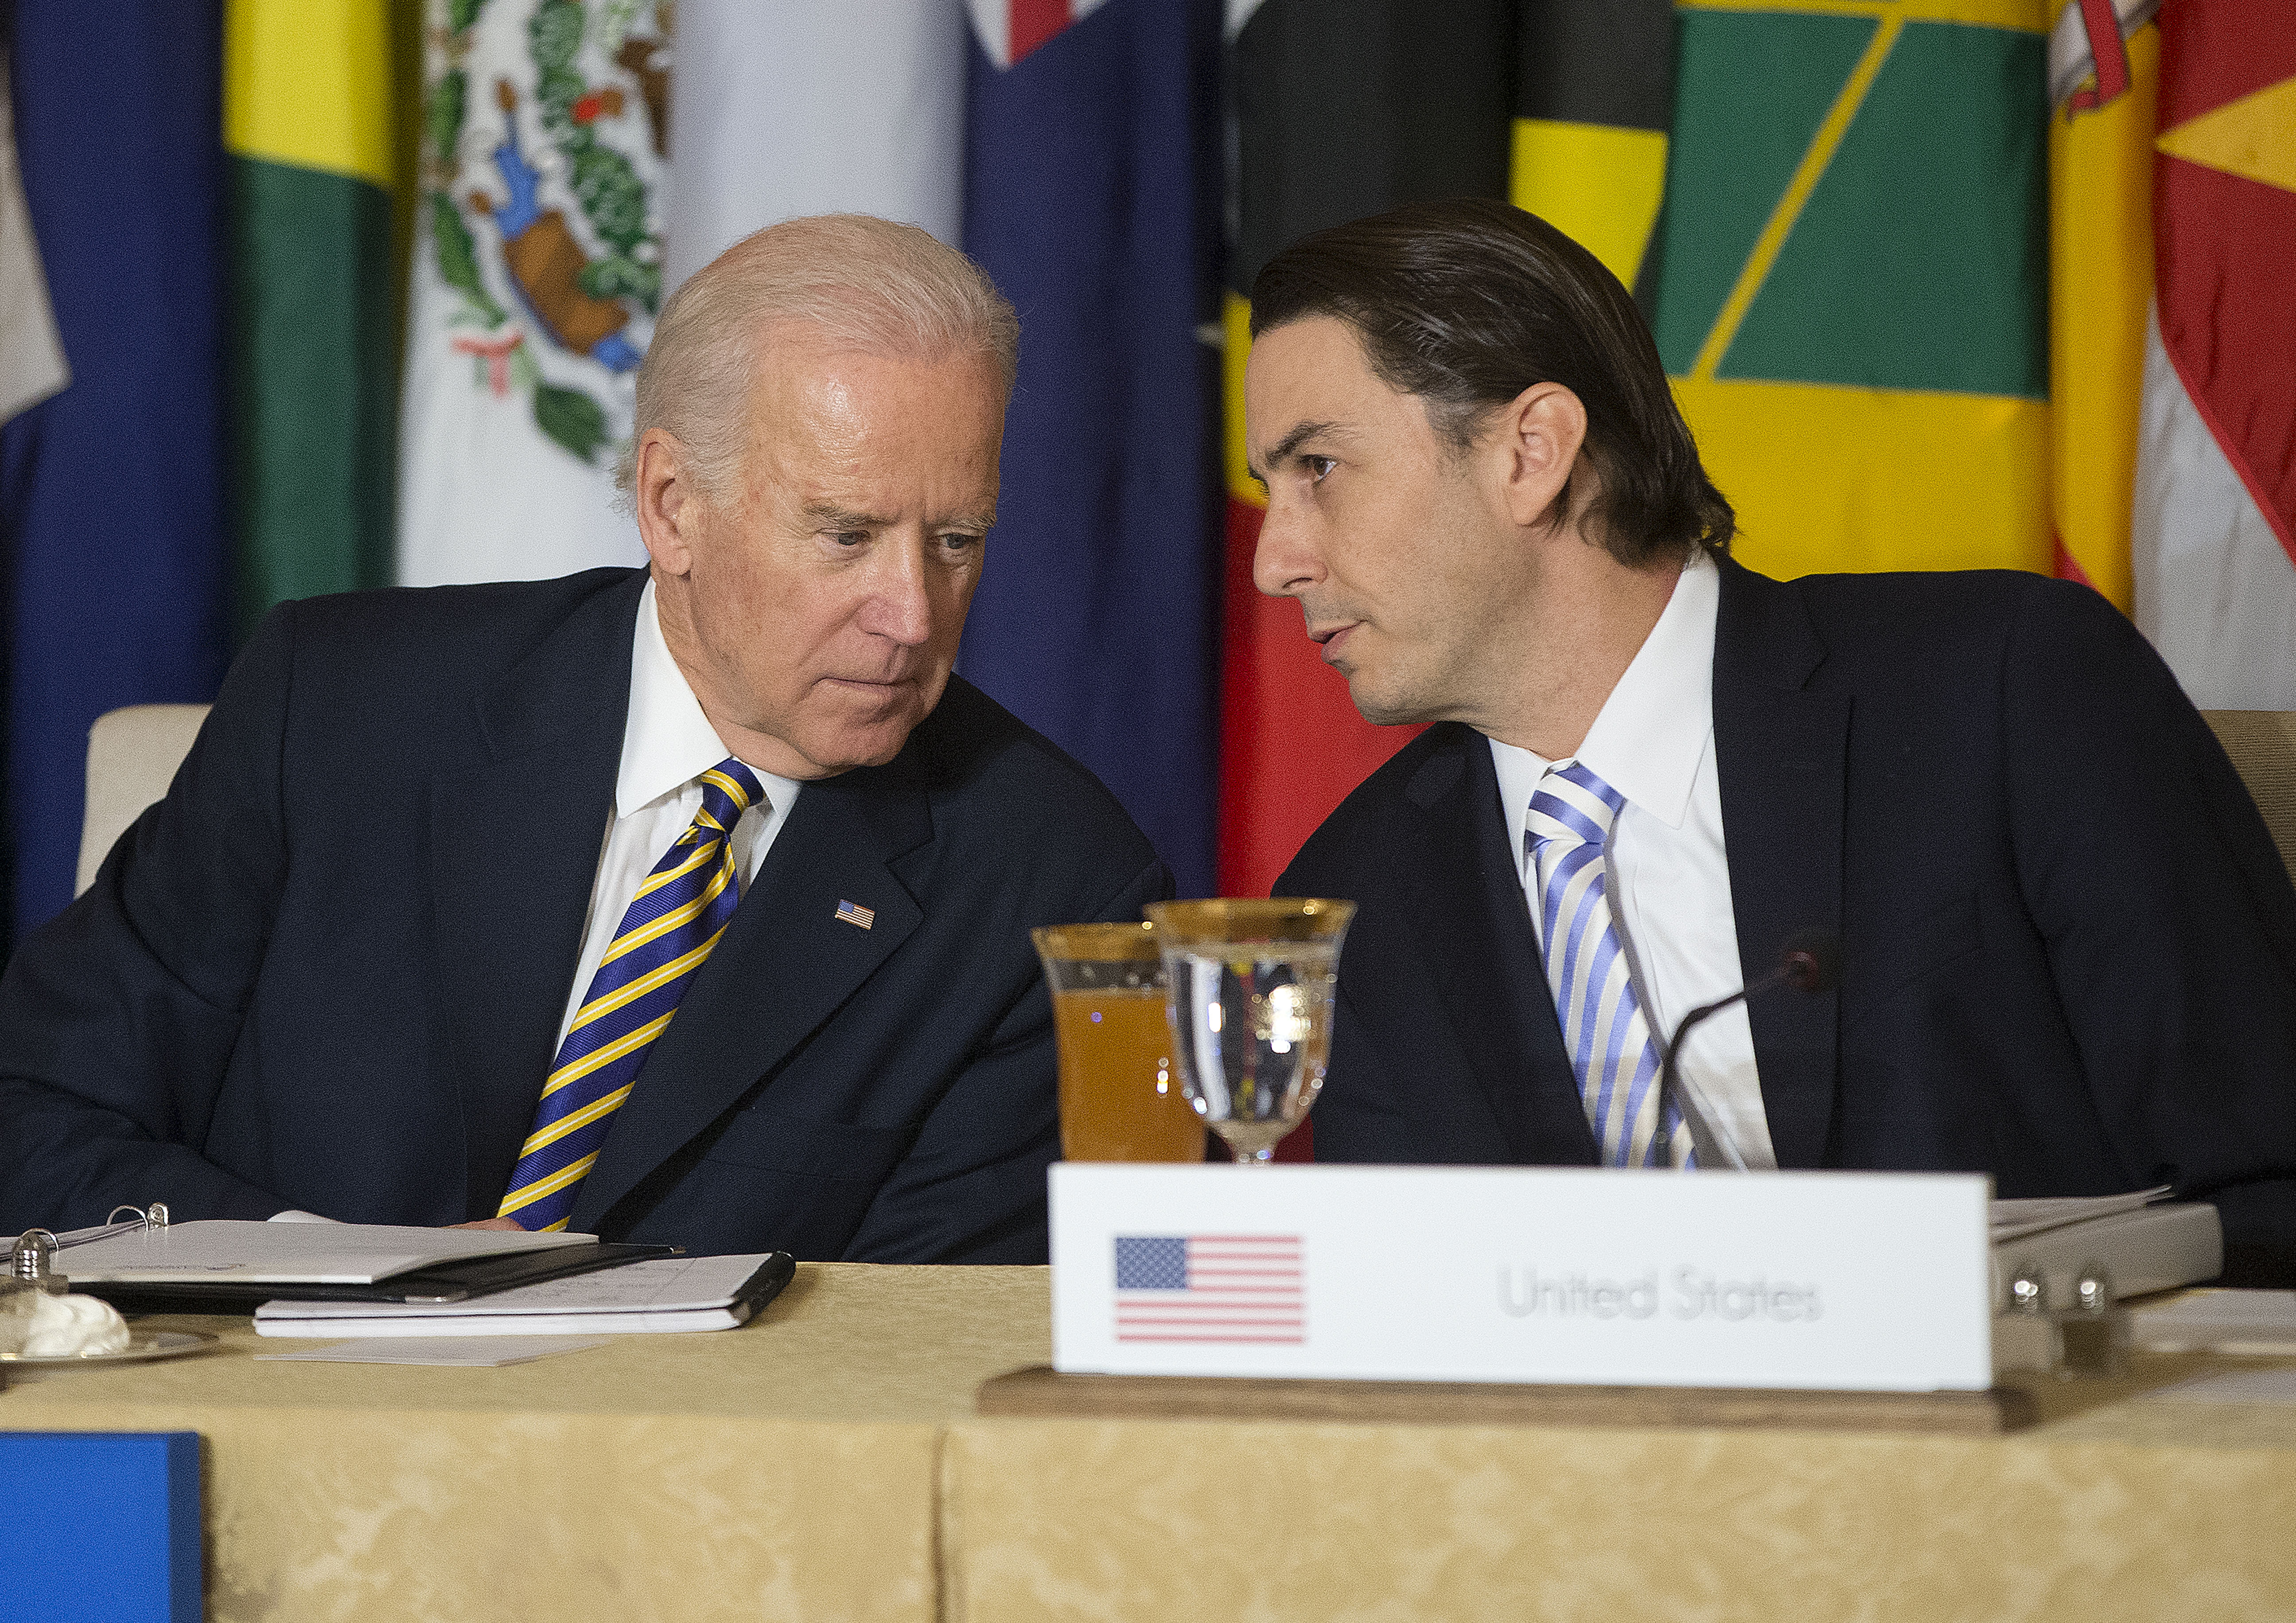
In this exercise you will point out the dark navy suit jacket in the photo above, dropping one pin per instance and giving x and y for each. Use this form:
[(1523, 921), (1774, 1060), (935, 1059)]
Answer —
[(2069, 943), (327, 970)]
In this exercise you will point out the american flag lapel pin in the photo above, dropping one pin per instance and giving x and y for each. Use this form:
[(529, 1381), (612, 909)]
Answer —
[(861, 917)]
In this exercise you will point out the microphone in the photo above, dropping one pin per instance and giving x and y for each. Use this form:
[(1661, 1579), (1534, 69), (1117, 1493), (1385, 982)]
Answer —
[(1810, 964)]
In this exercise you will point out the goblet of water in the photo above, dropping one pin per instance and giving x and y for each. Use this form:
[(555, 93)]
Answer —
[(1249, 997)]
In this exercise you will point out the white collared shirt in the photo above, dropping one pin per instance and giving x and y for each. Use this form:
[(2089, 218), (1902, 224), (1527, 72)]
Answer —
[(1654, 742), (666, 745)]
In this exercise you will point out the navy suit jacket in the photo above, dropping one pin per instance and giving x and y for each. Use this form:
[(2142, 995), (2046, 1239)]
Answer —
[(2069, 943), (327, 971)]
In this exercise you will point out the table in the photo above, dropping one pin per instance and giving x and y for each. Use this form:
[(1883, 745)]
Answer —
[(824, 1463), (786, 1469)]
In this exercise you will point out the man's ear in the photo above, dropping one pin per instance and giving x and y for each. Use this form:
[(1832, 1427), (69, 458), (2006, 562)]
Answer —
[(1536, 437), (669, 510)]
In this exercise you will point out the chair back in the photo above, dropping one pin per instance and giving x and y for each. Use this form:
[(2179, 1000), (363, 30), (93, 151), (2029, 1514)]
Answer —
[(2262, 745), (132, 757)]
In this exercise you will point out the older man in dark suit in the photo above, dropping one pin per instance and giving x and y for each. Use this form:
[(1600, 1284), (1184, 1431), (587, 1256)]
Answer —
[(687, 904), (2068, 946)]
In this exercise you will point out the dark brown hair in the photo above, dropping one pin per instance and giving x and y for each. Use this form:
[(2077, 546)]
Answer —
[(1469, 303)]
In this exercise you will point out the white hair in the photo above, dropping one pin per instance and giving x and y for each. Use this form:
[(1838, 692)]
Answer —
[(861, 283)]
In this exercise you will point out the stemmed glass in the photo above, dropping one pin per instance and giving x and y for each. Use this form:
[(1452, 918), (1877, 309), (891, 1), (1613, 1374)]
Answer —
[(1249, 999)]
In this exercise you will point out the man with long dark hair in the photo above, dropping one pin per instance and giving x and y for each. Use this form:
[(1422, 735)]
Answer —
[(2068, 946)]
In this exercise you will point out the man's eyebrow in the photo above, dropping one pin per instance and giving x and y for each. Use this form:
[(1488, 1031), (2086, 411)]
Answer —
[(1281, 451), (829, 515)]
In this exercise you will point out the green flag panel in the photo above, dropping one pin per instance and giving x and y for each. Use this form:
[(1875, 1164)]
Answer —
[(314, 396), (1921, 260), (1751, 88)]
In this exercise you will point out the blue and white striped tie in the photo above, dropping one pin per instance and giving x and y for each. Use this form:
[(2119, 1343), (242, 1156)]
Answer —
[(1610, 1046)]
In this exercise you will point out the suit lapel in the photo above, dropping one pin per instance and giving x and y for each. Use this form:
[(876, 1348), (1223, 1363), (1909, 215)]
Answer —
[(1476, 939), (515, 852), (1780, 748), (786, 963)]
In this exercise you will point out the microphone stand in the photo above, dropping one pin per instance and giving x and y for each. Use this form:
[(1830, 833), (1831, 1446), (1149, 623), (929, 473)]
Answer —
[(1810, 964)]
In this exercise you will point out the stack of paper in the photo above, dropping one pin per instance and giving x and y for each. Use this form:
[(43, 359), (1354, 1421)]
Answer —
[(672, 1294), (2145, 1244), (224, 1252)]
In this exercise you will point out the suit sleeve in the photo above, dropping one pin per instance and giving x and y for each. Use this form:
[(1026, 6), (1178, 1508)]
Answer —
[(2169, 919), (972, 1188), (120, 1017)]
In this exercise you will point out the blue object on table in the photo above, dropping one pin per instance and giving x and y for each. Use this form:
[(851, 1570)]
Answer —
[(118, 1515)]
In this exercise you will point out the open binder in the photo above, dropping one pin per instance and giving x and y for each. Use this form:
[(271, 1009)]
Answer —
[(228, 1267)]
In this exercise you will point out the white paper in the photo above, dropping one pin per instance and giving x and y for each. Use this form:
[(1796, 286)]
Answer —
[(2240, 1386), (224, 1251), (2016, 1219), (475, 1352), (524, 1324), (2238, 1321), (666, 1284)]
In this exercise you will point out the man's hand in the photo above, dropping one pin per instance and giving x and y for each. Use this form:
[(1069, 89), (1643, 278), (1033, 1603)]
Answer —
[(491, 1223)]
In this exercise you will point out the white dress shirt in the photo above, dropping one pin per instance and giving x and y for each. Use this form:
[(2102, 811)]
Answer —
[(1669, 875), (666, 745)]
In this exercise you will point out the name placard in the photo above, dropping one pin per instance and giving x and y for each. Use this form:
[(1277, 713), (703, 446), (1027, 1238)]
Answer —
[(1873, 1281)]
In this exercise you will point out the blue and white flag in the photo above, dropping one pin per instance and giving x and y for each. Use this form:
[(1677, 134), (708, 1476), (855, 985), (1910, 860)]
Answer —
[(112, 513), (1091, 196)]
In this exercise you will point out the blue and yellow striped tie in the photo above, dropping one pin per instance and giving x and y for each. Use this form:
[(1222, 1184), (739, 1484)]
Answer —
[(676, 917)]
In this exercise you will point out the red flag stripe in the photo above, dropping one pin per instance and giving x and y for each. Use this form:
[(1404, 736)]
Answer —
[(1035, 21)]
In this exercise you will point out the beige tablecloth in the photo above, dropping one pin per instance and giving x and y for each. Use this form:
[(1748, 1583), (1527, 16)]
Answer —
[(2133, 1512), (782, 1470), (824, 1463)]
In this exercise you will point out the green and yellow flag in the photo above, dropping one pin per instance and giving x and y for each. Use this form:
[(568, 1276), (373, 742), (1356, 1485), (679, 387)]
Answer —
[(2100, 286), (311, 130), (1855, 255), (1593, 97)]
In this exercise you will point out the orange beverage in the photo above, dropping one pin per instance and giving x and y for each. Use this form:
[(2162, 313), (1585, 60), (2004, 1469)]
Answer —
[(1121, 1097)]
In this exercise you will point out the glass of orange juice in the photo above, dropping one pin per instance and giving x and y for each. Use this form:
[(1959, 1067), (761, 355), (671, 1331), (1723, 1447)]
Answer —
[(1120, 1098)]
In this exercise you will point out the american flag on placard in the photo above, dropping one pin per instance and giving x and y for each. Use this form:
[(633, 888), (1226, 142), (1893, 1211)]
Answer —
[(1211, 1288)]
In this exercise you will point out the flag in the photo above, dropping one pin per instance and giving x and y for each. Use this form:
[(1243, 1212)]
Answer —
[(1593, 100), (815, 107), (1337, 109), (2215, 528), (308, 122), (1852, 297), (537, 275), (1091, 198), (2103, 85), (111, 490), (31, 355), (1211, 1288)]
